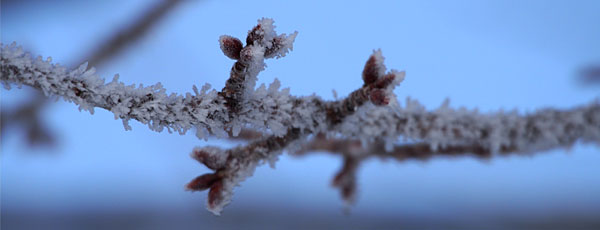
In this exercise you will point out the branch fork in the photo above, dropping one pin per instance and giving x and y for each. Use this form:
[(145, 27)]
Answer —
[(235, 165), (262, 42)]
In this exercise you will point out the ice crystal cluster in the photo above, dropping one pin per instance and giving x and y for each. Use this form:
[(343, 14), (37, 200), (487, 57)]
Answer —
[(371, 115)]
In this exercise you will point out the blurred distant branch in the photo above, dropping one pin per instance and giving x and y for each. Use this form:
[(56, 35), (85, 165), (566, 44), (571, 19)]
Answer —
[(354, 153), (131, 34), (28, 114), (590, 74)]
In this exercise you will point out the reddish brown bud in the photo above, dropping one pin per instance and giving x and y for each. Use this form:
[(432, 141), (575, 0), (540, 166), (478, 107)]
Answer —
[(371, 71), (203, 182), (256, 34), (212, 158), (385, 81), (215, 194), (374, 68), (231, 46), (379, 97)]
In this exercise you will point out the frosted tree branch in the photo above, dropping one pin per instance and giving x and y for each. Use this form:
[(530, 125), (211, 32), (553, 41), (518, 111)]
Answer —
[(371, 115), (27, 115)]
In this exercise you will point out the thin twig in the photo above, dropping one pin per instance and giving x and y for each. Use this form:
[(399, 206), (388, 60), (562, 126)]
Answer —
[(127, 36)]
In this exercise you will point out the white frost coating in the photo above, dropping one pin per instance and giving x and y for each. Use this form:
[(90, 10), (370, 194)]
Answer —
[(242, 164), (400, 75), (211, 156), (541, 130), (203, 109), (379, 62), (256, 64), (271, 109), (149, 105), (277, 110), (285, 44)]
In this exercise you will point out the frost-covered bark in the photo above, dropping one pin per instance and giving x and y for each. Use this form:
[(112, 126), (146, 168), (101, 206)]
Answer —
[(371, 115), (27, 114)]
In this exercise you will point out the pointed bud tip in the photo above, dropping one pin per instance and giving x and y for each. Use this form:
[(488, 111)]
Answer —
[(212, 157), (203, 182), (230, 46), (216, 197), (256, 34), (374, 68)]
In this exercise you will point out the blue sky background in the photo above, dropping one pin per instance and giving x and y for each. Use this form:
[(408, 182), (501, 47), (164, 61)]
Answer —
[(488, 55)]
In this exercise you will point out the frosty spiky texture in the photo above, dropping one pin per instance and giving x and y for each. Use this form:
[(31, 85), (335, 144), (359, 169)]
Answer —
[(370, 116)]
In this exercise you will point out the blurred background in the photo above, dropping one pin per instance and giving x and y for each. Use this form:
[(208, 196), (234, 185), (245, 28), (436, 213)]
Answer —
[(65, 169)]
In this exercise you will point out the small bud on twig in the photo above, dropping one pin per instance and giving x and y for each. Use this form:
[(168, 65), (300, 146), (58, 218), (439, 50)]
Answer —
[(374, 68), (212, 157), (203, 182), (376, 82), (215, 195), (231, 46)]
